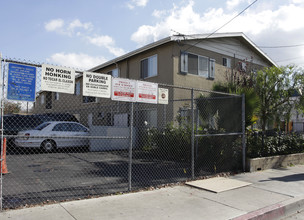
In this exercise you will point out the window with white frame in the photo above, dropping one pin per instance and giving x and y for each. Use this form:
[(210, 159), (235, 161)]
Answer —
[(227, 62), (114, 73), (77, 88), (148, 67), (42, 99), (197, 65), (56, 96)]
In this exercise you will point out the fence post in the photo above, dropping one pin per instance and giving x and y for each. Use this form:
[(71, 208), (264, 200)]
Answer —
[(2, 73), (196, 132), (2, 149), (1, 152), (192, 133), (244, 132), (131, 146)]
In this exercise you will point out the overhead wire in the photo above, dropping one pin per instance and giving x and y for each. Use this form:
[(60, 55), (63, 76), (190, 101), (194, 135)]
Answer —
[(282, 46), (223, 25)]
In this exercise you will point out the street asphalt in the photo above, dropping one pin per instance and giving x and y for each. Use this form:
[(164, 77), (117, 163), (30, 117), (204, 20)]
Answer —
[(273, 194)]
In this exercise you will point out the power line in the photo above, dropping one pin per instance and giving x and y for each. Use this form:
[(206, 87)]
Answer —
[(282, 46), (223, 25), (294, 58)]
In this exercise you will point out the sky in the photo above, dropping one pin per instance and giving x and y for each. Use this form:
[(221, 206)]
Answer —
[(82, 34)]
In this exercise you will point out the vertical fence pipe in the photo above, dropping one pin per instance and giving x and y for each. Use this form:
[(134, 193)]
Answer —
[(196, 132), (244, 133), (165, 115), (192, 133), (1, 194), (131, 146), (2, 111)]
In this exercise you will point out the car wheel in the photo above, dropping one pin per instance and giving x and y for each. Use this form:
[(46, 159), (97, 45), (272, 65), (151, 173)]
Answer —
[(48, 145)]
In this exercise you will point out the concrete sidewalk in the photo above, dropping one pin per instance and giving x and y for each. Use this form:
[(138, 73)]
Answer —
[(273, 194)]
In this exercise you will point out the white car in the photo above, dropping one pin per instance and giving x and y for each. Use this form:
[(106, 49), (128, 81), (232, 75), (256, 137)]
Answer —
[(54, 134)]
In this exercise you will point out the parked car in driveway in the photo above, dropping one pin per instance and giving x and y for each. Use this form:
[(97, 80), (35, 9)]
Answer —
[(54, 134), (12, 124)]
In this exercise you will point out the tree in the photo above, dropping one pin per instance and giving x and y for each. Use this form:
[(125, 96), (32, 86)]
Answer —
[(251, 98), (275, 87), (11, 108), (269, 93)]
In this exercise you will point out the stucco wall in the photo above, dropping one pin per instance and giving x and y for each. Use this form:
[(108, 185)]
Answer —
[(168, 69)]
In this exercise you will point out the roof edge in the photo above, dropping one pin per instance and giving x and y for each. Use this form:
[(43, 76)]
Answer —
[(183, 38), (132, 53)]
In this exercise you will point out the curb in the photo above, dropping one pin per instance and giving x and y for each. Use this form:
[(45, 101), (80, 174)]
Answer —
[(276, 211)]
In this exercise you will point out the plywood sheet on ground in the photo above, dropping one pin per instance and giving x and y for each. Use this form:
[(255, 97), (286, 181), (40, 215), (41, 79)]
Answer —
[(218, 184)]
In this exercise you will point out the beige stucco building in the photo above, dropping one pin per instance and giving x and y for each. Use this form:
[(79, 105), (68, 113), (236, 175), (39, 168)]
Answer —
[(196, 61)]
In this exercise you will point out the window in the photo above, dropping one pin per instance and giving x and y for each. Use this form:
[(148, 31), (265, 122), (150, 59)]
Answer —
[(42, 99), (56, 95), (41, 126), (211, 68), (88, 99), (62, 127), (148, 67), (114, 73), (242, 66), (197, 65), (78, 128), (77, 88), (227, 62), (48, 100)]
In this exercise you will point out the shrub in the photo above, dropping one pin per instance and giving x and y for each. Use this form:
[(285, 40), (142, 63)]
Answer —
[(263, 144)]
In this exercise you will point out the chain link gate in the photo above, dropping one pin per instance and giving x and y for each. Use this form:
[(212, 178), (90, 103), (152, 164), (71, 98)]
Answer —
[(113, 146)]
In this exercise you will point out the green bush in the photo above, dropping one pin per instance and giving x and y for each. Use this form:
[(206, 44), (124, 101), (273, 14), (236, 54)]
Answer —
[(213, 154), (261, 144), (173, 143)]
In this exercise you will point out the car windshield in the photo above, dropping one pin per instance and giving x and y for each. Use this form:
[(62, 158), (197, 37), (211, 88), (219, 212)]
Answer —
[(41, 126)]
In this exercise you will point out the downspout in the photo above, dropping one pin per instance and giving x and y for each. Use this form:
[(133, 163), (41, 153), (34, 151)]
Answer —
[(232, 67), (128, 76), (118, 70)]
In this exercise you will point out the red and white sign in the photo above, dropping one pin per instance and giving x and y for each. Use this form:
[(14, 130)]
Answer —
[(147, 92), (123, 90)]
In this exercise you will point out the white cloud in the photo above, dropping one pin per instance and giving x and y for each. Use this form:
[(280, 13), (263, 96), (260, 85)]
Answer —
[(101, 41), (61, 27), (297, 1), (74, 60), (54, 25), (77, 24), (233, 3), (137, 3), (159, 13), (76, 28), (185, 20), (107, 42)]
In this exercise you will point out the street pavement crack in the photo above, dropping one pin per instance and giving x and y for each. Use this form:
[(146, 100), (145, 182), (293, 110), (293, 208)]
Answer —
[(68, 211)]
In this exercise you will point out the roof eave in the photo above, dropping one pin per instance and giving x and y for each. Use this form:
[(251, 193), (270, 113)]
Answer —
[(132, 53), (183, 38)]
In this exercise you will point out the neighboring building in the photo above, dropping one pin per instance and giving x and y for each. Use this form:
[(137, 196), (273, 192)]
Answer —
[(190, 61), (296, 120)]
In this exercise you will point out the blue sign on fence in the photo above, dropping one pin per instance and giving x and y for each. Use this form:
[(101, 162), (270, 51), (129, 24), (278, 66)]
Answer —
[(21, 83)]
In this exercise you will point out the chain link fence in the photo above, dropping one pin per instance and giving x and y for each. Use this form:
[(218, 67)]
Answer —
[(69, 146)]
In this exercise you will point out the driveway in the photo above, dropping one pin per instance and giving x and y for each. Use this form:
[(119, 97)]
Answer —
[(47, 177)]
